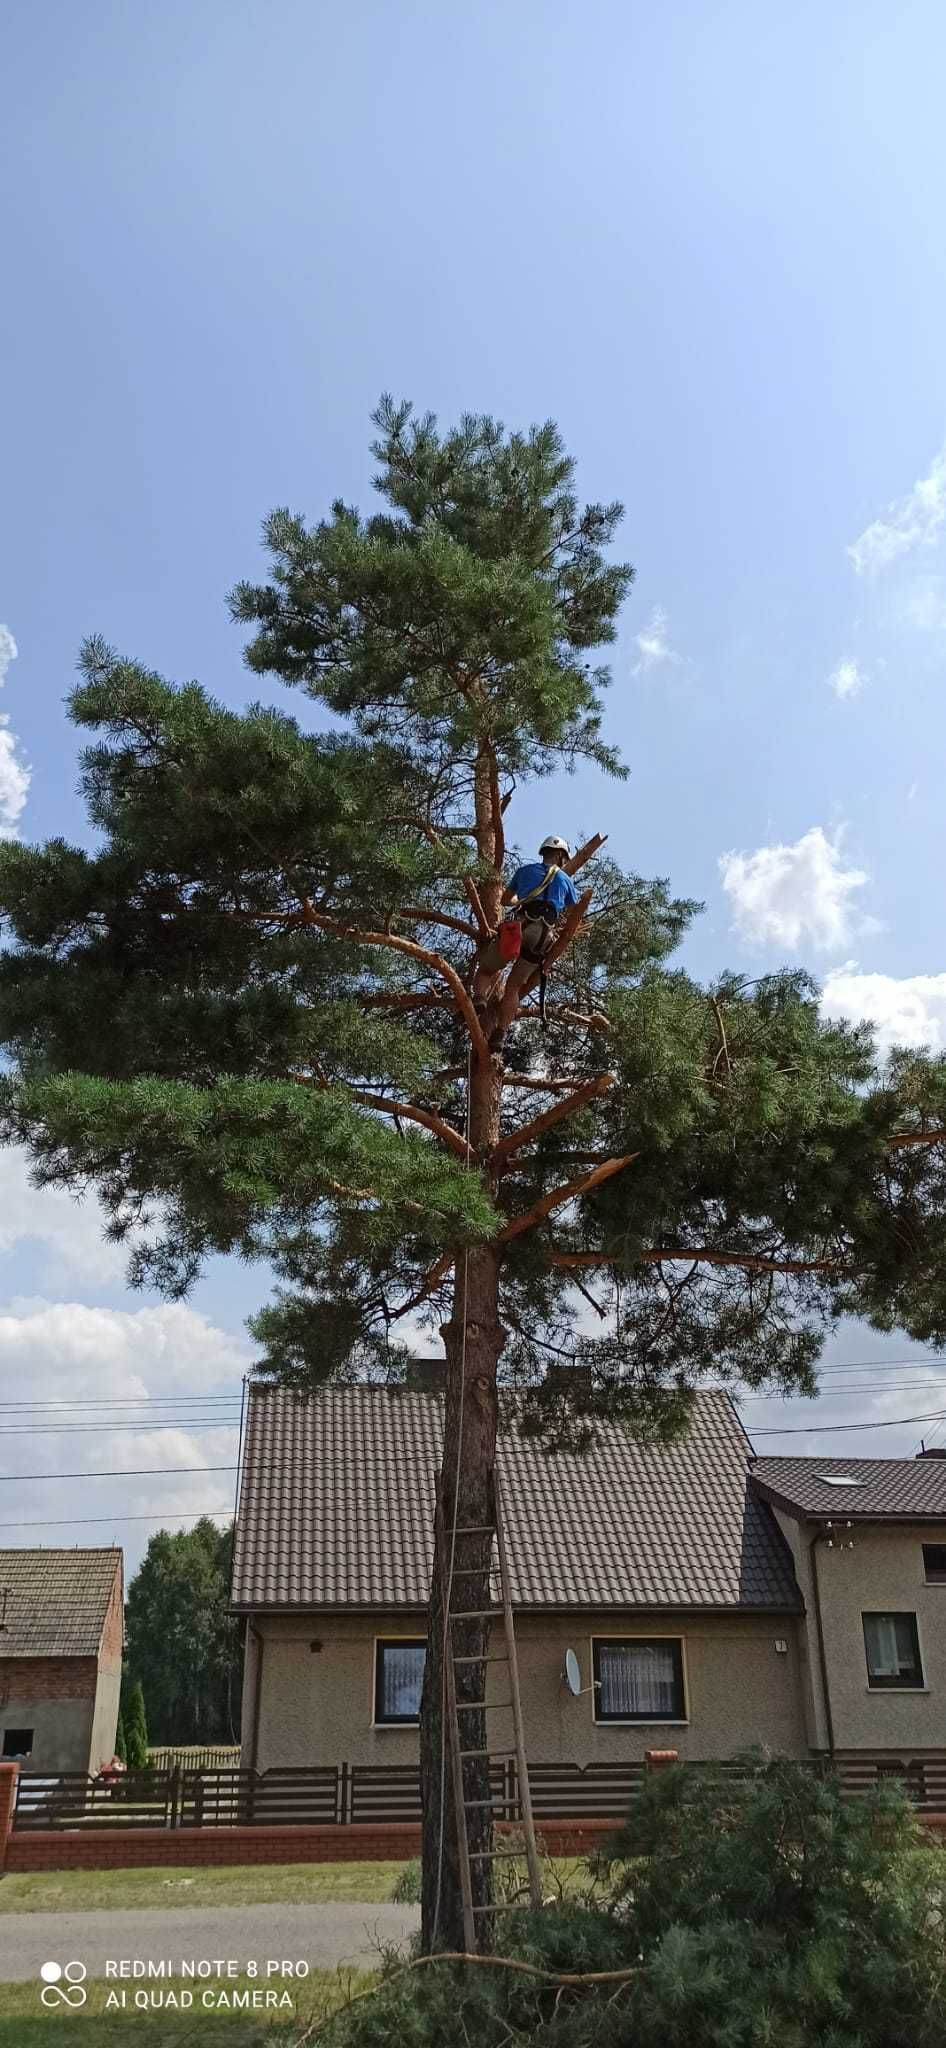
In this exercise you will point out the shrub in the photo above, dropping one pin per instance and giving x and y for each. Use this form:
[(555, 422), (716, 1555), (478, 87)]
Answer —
[(769, 1912)]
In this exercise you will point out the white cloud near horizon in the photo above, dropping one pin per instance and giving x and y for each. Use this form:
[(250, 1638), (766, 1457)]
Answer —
[(847, 679), (69, 1231), (14, 774), (67, 1351), (653, 644), (913, 521), (790, 895), (904, 1010)]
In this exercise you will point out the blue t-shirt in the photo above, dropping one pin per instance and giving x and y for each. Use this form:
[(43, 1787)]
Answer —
[(561, 888)]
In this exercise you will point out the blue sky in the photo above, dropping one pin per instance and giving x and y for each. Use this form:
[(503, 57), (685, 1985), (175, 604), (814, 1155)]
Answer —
[(708, 240)]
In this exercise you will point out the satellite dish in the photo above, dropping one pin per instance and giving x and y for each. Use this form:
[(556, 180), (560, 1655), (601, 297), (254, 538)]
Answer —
[(571, 1674)]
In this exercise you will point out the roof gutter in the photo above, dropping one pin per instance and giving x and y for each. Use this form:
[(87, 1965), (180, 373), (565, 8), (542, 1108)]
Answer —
[(253, 1631), (819, 1624)]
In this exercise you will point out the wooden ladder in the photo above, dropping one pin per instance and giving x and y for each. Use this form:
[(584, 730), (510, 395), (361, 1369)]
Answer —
[(459, 1753)]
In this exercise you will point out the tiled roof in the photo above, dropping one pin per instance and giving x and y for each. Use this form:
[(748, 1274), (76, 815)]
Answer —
[(904, 1489), (337, 1496), (56, 1601)]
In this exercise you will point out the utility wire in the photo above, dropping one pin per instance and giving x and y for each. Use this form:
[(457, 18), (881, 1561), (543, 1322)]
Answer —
[(85, 1521), (133, 1472), (831, 1428), (115, 1428)]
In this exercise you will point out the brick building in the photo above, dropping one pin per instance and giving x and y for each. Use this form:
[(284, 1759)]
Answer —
[(61, 1637)]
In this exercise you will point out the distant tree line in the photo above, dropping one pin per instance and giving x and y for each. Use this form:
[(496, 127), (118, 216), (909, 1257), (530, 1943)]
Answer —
[(183, 1651)]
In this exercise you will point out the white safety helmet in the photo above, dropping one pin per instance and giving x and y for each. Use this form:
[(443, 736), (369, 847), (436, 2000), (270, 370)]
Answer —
[(554, 845)]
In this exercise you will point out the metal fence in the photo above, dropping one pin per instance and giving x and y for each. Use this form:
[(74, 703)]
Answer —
[(366, 1793)]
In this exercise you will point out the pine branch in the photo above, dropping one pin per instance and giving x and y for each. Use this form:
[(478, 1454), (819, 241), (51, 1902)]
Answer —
[(410, 1111), (567, 1107), (444, 917), (569, 1192), (437, 1273), (584, 853), (750, 1262), (435, 961)]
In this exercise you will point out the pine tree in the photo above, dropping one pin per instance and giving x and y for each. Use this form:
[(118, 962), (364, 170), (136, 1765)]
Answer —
[(307, 1062), (136, 1730)]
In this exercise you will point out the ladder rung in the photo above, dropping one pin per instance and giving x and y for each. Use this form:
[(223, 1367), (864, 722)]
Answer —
[(472, 1530), (488, 1752), (474, 1614), (481, 1706), (494, 1797), (472, 1571), (476, 1659), (496, 1855)]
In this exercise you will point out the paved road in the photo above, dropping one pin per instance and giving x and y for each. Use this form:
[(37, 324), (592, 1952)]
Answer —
[(323, 1935)]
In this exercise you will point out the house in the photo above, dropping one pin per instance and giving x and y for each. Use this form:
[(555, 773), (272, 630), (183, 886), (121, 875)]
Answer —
[(663, 1568), (868, 1542), (61, 1637)]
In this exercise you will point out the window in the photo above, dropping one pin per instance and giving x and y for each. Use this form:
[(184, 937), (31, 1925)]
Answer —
[(398, 1678), (639, 1680), (17, 1742), (934, 1563), (893, 1651)]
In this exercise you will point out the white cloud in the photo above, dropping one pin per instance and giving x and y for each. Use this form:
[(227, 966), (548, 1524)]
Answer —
[(789, 895), (70, 1232), (909, 1010), (8, 652), (653, 644), (69, 1352), (14, 774), (847, 679), (914, 521)]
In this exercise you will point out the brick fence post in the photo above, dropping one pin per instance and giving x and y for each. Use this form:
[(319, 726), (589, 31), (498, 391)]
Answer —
[(8, 1777), (659, 1759)]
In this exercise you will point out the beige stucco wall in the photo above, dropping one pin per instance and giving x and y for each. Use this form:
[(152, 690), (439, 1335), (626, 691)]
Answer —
[(62, 1730), (317, 1706), (882, 1573)]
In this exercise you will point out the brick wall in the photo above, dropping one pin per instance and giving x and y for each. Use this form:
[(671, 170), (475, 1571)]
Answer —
[(137, 1848), (47, 1678)]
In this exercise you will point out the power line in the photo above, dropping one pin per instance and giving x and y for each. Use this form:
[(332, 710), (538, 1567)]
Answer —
[(831, 1428), (197, 1427), (86, 1521), (133, 1401), (134, 1472)]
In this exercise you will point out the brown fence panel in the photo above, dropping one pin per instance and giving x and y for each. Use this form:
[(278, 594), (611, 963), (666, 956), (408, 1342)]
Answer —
[(136, 1799), (595, 1792), (277, 1798)]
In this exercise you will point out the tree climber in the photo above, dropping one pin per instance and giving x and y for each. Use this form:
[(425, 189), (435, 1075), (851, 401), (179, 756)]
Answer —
[(538, 894)]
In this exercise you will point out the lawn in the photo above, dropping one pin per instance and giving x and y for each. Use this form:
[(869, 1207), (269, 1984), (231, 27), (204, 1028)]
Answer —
[(76, 1891)]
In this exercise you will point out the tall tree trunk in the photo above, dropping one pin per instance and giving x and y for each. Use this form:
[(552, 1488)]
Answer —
[(473, 1340)]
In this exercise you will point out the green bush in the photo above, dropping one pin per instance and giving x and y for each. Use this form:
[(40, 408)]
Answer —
[(765, 1912), (136, 1729)]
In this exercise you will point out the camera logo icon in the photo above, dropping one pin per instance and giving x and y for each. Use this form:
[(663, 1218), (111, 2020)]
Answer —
[(64, 1984)]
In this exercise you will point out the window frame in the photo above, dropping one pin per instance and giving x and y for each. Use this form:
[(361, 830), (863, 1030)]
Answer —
[(680, 1716), (381, 1643), (940, 1579), (897, 1684), (13, 1756)]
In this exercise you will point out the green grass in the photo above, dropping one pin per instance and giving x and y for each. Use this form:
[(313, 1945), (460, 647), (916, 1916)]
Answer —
[(77, 1891), (25, 2024)]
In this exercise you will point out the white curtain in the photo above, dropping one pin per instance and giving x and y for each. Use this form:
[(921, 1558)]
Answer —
[(891, 1646), (637, 1679), (402, 1676)]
